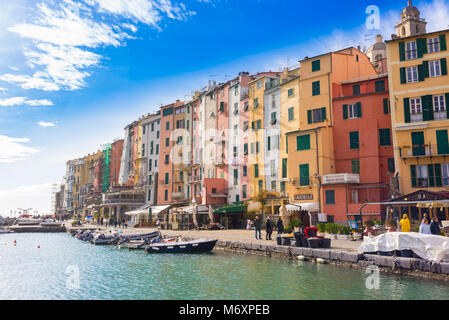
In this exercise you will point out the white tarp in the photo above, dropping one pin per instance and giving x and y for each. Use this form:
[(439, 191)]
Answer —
[(306, 206), (429, 247)]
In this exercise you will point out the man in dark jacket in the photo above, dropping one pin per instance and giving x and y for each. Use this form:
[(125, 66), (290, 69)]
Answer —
[(280, 226), (258, 227), (269, 229), (435, 227)]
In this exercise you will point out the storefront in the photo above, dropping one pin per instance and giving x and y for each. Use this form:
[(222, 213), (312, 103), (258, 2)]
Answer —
[(231, 217)]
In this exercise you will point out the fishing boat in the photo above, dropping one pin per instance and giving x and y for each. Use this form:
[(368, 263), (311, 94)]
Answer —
[(194, 246)]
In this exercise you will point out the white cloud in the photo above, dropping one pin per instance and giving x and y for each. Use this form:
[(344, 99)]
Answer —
[(3, 89), (436, 14), (13, 149), (36, 81), (37, 197), (47, 124), (22, 100)]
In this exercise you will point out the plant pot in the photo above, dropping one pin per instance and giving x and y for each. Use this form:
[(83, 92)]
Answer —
[(330, 236), (321, 234), (343, 237)]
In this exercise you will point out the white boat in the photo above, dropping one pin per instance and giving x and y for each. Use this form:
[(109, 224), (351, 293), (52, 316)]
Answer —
[(50, 223), (28, 222), (5, 231)]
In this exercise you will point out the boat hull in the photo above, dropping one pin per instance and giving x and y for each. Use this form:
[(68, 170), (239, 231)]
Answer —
[(197, 246)]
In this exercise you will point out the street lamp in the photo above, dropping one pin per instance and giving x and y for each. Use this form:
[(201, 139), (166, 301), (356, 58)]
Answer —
[(188, 216)]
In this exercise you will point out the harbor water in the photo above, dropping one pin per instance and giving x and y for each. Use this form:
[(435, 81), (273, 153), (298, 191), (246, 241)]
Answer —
[(58, 266)]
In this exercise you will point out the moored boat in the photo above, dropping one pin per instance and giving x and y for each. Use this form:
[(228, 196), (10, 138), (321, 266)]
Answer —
[(194, 246)]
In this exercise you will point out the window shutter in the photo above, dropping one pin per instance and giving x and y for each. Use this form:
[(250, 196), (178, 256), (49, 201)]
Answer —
[(424, 45), (345, 111), (309, 116), (426, 69), (447, 105), (401, 51), (442, 42), (427, 109), (406, 110), (413, 175), (438, 178), (269, 143), (403, 76), (419, 47), (421, 72), (386, 106), (443, 67), (284, 168), (442, 142), (431, 175), (304, 175), (323, 113), (286, 144), (359, 109)]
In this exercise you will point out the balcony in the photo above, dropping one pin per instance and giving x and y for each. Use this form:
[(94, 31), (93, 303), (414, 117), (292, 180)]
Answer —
[(421, 151), (178, 196), (194, 179), (341, 178)]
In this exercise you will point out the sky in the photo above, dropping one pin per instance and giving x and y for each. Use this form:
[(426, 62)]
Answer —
[(74, 73)]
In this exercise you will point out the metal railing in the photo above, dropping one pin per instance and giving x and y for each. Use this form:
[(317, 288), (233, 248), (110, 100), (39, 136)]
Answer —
[(419, 151)]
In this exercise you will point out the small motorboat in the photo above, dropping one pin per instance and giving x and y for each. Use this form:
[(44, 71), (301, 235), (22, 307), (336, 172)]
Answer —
[(6, 231), (103, 240), (50, 223), (134, 244), (194, 246), (138, 241)]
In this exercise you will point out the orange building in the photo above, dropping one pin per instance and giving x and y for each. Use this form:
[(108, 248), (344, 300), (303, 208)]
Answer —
[(363, 151)]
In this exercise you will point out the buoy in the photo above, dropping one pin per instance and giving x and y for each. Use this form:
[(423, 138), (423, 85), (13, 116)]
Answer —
[(301, 258), (320, 260), (38, 246)]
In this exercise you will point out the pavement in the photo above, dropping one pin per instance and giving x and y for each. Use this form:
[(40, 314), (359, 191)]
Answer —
[(232, 235)]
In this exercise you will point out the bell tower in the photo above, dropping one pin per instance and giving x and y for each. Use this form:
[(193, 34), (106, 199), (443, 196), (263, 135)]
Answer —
[(411, 24)]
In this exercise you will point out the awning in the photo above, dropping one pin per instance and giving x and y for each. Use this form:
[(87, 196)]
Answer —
[(303, 206), (231, 209), (158, 209), (142, 210)]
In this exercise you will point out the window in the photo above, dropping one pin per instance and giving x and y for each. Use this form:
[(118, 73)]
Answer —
[(442, 142), (245, 106), (304, 175), (244, 191), (291, 113), (439, 107), (356, 90), (330, 196), (386, 103), (273, 186), (268, 143), (391, 167), (256, 103), (256, 171), (420, 176), (167, 142), (354, 140), (166, 159), (157, 135), (352, 111), (290, 92), (167, 125), (166, 195), (236, 90), (282, 186), (384, 137), (166, 177), (245, 149), (315, 88), (143, 129), (418, 146), (412, 74), (303, 142), (143, 149), (157, 149), (259, 84), (411, 51), (236, 177), (316, 115), (245, 171), (152, 126), (316, 65), (260, 185), (435, 68), (284, 168), (433, 45), (415, 109), (355, 196), (380, 86), (355, 164), (445, 174)]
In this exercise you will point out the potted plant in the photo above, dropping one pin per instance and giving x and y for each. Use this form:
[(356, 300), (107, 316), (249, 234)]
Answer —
[(294, 224), (344, 232), (331, 230), (321, 229)]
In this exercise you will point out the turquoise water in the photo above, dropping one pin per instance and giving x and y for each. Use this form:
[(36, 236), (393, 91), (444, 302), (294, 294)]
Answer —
[(49, 272)]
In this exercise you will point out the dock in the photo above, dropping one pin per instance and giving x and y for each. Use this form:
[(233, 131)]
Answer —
[(37, 229)]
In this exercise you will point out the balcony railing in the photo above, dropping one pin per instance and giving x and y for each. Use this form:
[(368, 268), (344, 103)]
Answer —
[(343, 178), (179, 196), (420, 151)]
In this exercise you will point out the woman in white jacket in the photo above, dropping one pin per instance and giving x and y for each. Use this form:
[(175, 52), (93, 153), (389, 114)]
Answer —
[(424, 228)]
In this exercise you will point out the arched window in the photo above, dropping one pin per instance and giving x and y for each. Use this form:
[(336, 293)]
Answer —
[(403, 31)]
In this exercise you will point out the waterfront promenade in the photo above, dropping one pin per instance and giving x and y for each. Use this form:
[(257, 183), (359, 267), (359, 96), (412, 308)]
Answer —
[(225, 235)]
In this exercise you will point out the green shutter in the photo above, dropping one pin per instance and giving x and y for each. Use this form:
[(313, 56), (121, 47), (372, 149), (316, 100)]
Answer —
[(269, 143), (426, 68), (403, 76), (406, 110), (354, 140), (431, 175), (256, 171), (421, 72), (427, 108), (438, 178), (447, 105), (303, 142), (424, 44), (442, 42), (419, 47), (401, 51), (284, 168), (286, 144), (413, 175), (442, 142), (345, 111), (323, 114), (384, 137), (359, 109), (386, 106), (418, 146), (309, 116), (443, 67), (304, 175)]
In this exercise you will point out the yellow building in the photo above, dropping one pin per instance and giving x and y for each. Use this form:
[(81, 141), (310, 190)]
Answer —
[(310, 147), (419, 95), (256, 161), (289, 118)]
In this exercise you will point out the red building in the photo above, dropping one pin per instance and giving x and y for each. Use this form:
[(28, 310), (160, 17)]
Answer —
[(363, 149), (116, 157)]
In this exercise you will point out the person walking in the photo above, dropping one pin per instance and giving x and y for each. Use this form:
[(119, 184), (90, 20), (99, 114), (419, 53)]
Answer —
[(426, 216), (424, 228), (435, 227), (269, 229), (404, 224), (280, 226), (257, 227)]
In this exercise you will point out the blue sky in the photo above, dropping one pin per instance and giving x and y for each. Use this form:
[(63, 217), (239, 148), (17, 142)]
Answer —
[(73, 73)]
